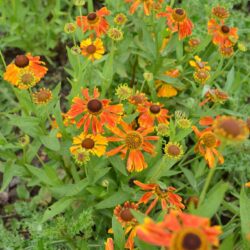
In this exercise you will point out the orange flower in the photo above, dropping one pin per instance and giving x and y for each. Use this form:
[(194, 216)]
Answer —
[(165, 89), (178, 21), (138, 98), (95, 112), (42, 96), (206, 146), (127, 220), (222, 34), (109, 245), (148, 5), (133, 141), (226, 51), (220, 12), (214, 95), (180, 231), (167, 197), (149, 112), (94, 21), (25, 71)]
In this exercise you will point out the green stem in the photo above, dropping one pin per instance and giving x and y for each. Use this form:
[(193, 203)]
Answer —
[(90, 6), (2, 59), (206, 185)]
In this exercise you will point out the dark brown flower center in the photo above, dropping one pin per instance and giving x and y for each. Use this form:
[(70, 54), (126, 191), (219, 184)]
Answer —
[(88, 143), (231, 127), (91, 49), (179, 12), (27, 78), (91, 16), (155, 109), (133, 140), (43, 95), (126, 215), (21, 61), (191, 241), (209, 139), (94, 106), (225, 29), (174, 150)]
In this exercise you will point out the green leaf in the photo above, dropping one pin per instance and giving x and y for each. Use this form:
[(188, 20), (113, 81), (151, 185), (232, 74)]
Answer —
[(144, 246), (138, 215), (118, 164), (118, 233), (8, 173), (50, 141), (214, 198), (244, 215), (57, 208), (113, 200), (230, 79), (190, 177), (228, 243)]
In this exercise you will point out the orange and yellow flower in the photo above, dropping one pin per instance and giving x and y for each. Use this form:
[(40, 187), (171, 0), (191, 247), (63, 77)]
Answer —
[(165, 89), (180, 231), (94, 144), (94, 21), (25, 71), (230, 128), (220, 12), (223, 35), (247, 184), (95, 112), (93, 50), (215, 96), (109, 244), (167, 197), (198, 64), (206, 146), (178, 21), (148, 5), (201, 76), (128, 221), (173, 150), (137, 98), (133, 141), (42, 96), (149, 112)]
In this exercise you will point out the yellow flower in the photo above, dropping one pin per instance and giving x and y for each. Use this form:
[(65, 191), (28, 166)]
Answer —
[(81, 156), (201, 76), (93, 50), (120, 19), (115, 34), (123, 91), (173, 150), (198, 64), (94, 144)]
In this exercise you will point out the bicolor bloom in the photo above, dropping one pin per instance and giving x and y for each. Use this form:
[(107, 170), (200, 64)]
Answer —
[(94, 144), (230, 129), (167, 197), (148, 5), (180, 231), (149, 112), (207, 146), (120, 19), (93, 50), (220, 12), (94, 21), (137, 98), (109, 244), (226, 51), (193, 43), (178, 21), (215, 96), (127, 220), (42, 96), (133, 142), (201, 76), (164, 89), (173, 150), (94, 112), (198, 64), (223, 35), (25, 71)]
